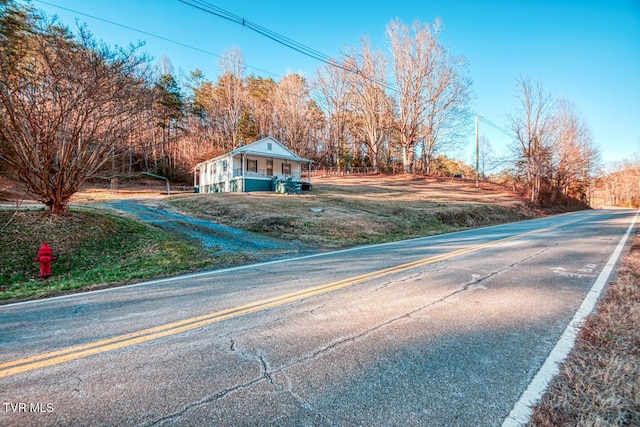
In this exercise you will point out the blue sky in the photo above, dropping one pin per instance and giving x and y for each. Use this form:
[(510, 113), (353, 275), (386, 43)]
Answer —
[(586, 51)]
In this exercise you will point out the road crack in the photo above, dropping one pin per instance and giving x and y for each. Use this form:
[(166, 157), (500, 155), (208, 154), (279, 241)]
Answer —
[(280, 380), (205, 401), (477, 280), (471, 285), (314, 311)]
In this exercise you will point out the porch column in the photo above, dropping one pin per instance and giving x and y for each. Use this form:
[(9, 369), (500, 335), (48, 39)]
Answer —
[(195, 178), (196, 184), (242, 160)]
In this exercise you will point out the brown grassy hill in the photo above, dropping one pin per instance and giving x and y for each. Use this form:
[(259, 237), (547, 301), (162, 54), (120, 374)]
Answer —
[(347, 211)]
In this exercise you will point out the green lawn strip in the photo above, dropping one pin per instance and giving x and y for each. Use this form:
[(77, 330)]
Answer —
[(92, 250)]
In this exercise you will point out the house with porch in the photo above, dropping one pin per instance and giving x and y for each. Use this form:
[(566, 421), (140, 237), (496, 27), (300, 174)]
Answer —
[(252, 167)]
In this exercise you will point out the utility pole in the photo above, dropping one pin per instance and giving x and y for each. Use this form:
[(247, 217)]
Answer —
[(477, 155)]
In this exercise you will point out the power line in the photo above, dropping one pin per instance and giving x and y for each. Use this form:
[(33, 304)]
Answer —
[(278, 38), (217, 11), (493, 125), (148, 34)]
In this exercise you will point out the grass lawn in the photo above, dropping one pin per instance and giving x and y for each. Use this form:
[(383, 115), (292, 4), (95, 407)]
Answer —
[(93, 250), (348, 212)]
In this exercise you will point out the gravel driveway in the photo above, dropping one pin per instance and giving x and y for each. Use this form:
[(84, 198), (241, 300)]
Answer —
[(212, 236)]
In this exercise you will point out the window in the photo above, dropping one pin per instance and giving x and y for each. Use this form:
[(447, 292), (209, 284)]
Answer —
[(224, 166), (252, 165), (269, 167), (286, 168), (269, 146)]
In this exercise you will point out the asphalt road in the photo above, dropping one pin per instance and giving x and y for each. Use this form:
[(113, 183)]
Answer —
[(441, 331)]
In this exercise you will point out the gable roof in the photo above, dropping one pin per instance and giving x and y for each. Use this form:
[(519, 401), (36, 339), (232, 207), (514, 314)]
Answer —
[(269, 147), (261, 148)]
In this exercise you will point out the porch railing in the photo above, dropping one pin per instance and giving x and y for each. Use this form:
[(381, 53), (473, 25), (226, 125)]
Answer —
[(262, 173)]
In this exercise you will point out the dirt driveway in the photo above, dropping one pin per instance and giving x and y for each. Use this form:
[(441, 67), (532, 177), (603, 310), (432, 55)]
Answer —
[(149, 204), (214, 237)]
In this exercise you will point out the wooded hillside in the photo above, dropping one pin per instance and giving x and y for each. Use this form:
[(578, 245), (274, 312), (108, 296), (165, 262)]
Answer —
[(72, 109)]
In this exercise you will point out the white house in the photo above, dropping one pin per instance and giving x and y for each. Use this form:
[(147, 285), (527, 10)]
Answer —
[(250, 168)]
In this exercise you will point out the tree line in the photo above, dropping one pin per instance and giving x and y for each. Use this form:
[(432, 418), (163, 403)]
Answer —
[(554, 154), (620, 185), (74, 109)]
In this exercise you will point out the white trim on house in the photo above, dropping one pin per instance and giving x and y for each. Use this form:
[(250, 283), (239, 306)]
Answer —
[(249, 168)]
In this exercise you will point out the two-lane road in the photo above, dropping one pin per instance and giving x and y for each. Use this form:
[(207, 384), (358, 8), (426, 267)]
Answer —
[(446, 330)]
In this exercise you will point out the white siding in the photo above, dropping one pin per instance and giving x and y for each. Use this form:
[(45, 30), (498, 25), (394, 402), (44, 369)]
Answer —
[(213, 176)]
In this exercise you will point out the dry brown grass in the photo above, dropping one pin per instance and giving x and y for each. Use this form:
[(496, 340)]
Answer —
[(337, 213), (410, 187), (599, 384), (341, 212)]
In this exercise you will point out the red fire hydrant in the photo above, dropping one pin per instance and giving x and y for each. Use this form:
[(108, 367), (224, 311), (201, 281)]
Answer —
[(45, 256)]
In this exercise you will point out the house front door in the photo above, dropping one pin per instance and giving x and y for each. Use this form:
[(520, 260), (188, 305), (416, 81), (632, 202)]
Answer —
[(269, 167)]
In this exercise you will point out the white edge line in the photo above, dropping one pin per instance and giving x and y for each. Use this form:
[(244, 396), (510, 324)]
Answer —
[(522, 410), (261, 264)]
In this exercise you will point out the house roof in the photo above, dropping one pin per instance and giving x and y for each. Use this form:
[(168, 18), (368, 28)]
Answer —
[(275, 156), (259, 148)]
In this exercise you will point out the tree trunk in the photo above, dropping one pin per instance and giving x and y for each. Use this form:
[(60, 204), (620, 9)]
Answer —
[(407, 158)]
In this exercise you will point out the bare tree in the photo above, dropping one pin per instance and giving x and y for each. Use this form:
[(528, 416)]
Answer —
[(317, 132), (64, 110), (622, 183), (447, 95), (291, 106), (231, 94), (487, 158), (260, 98), (371, 103), (368, 96), (532, 127), (412, 64), (574, 155), (333, 99), (433, 91)]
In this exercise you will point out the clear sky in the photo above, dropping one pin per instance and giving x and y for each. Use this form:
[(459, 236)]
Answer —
[(587, 51)]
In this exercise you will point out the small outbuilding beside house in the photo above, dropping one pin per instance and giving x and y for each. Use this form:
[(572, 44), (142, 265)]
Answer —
[(253, 167)]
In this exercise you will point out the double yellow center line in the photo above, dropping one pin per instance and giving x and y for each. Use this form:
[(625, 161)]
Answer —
[(76, 352)]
